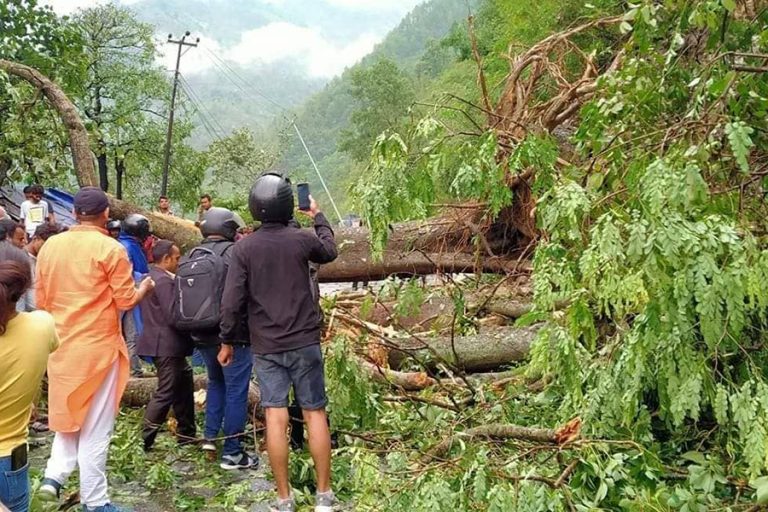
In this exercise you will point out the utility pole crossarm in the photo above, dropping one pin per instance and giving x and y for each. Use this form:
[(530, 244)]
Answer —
[(169, 136)]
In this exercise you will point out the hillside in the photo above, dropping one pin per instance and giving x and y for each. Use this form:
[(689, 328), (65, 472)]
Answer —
[(230, 31), (326, 114), (431, 47)]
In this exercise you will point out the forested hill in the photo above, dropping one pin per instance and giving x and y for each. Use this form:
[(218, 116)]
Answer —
[(229, 31), (425, 60), (412, 49)]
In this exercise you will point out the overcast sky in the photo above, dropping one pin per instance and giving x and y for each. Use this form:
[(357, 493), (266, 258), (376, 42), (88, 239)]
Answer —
[(281, 40)]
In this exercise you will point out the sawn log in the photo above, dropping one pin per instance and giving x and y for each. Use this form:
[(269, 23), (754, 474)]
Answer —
[(490, 349)]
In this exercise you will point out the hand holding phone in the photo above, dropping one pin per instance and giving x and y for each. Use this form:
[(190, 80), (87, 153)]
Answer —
[(303, 192)]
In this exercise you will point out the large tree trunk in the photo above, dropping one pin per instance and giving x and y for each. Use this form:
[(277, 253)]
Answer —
[(139, 391), (182, 232), (82, 157), (416, 248), (441, 245), (490, 349)]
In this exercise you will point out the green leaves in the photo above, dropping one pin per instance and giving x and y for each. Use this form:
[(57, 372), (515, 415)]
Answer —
[(739, 137)]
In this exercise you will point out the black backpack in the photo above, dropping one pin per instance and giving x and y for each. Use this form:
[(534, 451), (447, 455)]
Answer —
[(199, 286)]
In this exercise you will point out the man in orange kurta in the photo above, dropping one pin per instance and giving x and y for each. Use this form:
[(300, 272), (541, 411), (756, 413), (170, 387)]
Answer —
[(84, 279)]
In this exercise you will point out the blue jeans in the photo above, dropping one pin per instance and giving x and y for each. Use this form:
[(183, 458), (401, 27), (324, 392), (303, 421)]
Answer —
[(197, 359), (14, 486), (227, 396)]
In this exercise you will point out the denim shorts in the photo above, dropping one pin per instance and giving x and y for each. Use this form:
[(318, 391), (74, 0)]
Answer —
[(302, 368), (14, 486)]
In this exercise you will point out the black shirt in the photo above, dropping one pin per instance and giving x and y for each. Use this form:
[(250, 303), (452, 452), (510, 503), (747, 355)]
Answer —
[(269, 270)]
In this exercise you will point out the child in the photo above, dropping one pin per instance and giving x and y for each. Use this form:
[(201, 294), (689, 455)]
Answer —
[(34, 211)]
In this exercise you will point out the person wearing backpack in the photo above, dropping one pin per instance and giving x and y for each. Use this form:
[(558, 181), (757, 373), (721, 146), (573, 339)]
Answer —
[(200, 286), (269, 278)]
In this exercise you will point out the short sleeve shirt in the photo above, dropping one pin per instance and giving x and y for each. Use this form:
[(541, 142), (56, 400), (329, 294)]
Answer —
[(33, 214), (24, 348)]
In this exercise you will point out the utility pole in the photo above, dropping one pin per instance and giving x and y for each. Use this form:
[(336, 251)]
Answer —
[(167, 159)]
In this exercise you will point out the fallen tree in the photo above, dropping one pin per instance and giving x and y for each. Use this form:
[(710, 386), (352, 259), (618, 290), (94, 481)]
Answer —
[(139, 391), (487, 350), (408, 381)]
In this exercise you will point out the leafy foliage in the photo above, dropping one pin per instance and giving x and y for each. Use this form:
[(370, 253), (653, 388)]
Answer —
[(654, 245)]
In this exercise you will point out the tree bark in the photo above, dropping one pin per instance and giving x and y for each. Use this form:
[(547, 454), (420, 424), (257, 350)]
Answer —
[(497, 432), (441, 245), (139, 391), (408, 381), (488, 350), (180, 231), (82, 157), (119, 175), (101, 159)]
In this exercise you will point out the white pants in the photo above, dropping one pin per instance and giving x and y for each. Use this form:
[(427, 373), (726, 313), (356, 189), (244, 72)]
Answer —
[(88, 448)]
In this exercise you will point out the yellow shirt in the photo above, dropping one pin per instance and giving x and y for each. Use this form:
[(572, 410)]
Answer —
[(24, 349)]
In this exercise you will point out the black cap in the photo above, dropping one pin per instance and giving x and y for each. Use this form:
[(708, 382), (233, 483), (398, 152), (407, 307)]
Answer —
[(91, 201)]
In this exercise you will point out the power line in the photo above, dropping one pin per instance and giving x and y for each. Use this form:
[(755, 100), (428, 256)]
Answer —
[(208, 123), (226, 65), (201, 105), (292, 121)]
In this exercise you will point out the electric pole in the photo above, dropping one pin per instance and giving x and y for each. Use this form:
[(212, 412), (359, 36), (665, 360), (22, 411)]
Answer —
[(167, 159)]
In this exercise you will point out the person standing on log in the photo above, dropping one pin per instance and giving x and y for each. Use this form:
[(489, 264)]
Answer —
[(269, 278), (84, 279), (26, 340), (135, 231), (169, 349), (226, 407)]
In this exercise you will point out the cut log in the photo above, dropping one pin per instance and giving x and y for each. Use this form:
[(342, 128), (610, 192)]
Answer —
[(488, 350), (408, 381), (139, 391)]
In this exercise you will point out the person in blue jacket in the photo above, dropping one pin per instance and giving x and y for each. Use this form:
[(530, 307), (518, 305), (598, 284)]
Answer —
[(135, 229)]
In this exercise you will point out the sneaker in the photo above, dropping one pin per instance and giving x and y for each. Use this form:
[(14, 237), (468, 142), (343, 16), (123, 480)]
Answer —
[(240, 461), (50, 490), (325, 501), (208, 446), (286, 505), (107, 508)]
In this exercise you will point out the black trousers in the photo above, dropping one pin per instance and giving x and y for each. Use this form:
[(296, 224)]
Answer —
[(175, 388)]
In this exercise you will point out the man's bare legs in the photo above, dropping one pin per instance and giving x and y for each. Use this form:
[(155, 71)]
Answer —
[(319, 447), (277, 448)]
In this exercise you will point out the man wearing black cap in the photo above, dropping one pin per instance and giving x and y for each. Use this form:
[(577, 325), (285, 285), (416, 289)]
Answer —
[(84, 280)]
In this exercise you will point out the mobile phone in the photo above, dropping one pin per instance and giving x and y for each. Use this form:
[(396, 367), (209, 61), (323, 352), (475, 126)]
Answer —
[(303, 190), (19, 457)]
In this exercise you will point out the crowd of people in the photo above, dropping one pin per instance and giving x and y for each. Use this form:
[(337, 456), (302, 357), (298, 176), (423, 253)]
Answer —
[(93, 304)]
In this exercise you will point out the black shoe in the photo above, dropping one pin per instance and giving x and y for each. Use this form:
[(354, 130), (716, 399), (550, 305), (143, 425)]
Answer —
[(240, 461)]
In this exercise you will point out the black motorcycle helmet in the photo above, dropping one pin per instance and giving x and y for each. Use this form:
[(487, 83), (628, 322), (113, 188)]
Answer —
[(113, 225), (271, 199), (137, 226), (221, 222)]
